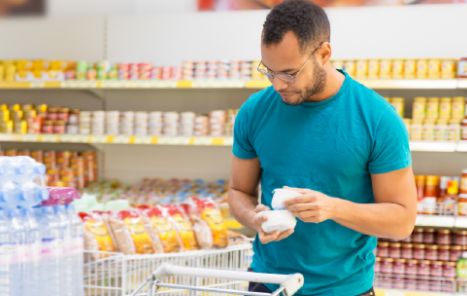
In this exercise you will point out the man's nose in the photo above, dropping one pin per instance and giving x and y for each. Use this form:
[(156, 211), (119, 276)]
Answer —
[(278, 84)]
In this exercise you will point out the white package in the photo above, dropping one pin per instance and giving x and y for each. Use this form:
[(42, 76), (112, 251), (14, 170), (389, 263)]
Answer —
[(281, 195), (278, 220)]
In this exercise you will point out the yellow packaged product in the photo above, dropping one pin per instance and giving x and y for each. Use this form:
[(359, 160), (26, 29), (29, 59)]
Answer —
[(416, 129), (385, 69), (10, 72), (454, 129), (163, 230), (350, 67), (432, 108), (434, 68), (398, 69), (2, 72), (428, 130), (441, 130), (398, 103), (419, 108), (449, 68), (208, 223), (338, 64), (408, 125), (410, 69), (373, 68), (362, 69), (458, 107), (445, 108), (184, 228), (422, 68), (96, 235)]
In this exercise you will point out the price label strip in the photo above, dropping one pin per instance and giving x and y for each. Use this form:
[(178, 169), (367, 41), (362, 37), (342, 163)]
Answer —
[(122, 139), (30, 138), (50, 138), (203, 141), (146, 140), (99, 139), (228, 141)]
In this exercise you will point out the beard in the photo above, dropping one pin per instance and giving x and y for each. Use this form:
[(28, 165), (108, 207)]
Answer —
[(316, 86)]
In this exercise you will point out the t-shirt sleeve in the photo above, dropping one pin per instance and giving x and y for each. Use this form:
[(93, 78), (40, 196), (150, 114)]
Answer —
[(391, 150), (242, 147)]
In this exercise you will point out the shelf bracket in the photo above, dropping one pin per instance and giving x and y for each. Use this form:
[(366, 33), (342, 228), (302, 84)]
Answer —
[(98, 93)]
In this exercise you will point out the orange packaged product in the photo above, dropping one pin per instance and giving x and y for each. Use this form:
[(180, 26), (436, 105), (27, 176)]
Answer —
[(160, 230), (180, 222), (130, 233), (96, 235), (208, 223)]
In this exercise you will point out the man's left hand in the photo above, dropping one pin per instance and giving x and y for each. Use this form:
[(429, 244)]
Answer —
[(311, 206)]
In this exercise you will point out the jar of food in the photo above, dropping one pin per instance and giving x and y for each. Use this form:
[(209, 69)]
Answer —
[(386, 282), (445, 108), (423, 267), (385, 69), (464, 130), (449, 269), (411, 267), (398, 69), (462, 205), (410, 284), (410, 69), (428, 130), (429, 236), (74, 116), (432, 108), (422, 68), (461, 238), (337, 64), (462, 68), (52, 114), (423, 285), (441, 130), (59, 127), (435, 285), (395, 250), (458, 108), (419, 108), (431, 189), (444, 252), (373, 69), (431, 252), (419, 251), (443, 237), (63, 114), (397, 282), (407, 239), (383, 249), (448, 68), (398, 266), (449, 285), (456, 252), (436, 268), (454, 129), (406, 251), (418, 234), (417, 129), (377, 266), (386, 265), (398, 103), (72, 129), (434, 68), (48, 127), (350, 67)]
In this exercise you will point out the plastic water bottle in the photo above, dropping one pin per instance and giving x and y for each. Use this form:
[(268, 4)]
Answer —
[(30, 181), (6, 250), (30, 280), (77, 241), (67, 257), (18, 239), (9, 191), (51, 254)]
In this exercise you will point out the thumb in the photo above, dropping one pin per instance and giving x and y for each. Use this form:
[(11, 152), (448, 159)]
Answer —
[(299, 190)]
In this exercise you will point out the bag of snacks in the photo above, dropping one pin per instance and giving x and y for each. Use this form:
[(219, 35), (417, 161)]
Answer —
[(236, 238), (96, 235), (209, 223), (184, 229), (130, 233), (161, 231)]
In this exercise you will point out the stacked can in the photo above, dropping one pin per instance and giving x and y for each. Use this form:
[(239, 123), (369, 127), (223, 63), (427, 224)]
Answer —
[(177, 73), (133, 73), (141, 123), (50, 162), (155, 123), (145, 71), (255, 74), (127, 126), (81, 69), (112, 122), (187, 124), (85, 122), (166, 73), (188, 70), (212, 69), (98, 122), (201, 126), (123, 71), (229, 125), (171, 124), (72, 127), (234, 72), (38, 156), (103, 68), (217, 120), (223, 68), (245, 70), (156, 73), (200, 70)]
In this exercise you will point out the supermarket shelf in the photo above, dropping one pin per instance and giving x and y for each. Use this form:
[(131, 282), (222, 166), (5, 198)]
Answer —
[(435, 146), (106, 139), (227, 84), (441, 221), (393, 292)]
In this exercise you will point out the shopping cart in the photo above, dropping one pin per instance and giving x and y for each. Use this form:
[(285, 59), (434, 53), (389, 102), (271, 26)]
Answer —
[(289, 284)]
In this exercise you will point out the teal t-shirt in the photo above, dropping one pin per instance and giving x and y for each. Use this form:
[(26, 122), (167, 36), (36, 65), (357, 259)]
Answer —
[(332, 147)]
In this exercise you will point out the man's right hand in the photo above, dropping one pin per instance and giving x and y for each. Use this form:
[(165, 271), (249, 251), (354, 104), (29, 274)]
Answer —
[(263, 236)]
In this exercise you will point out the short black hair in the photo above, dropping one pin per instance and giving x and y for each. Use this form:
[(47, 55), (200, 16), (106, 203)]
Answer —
[(305, 19)]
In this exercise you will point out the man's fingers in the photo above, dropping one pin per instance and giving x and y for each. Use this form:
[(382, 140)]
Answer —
[(301, 207), (304, 214), (300, 200), (284, 235), (261, 208), (267, 238), (299, 190)]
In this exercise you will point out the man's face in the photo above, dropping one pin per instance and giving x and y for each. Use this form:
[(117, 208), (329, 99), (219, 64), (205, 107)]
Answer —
[(286, 57)]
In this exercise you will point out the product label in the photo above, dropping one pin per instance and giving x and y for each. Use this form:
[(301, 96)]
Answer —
[(6, 253), (464, 133), (52, 248), (167, 234), (101, 234), (140, 236), (462, 209)]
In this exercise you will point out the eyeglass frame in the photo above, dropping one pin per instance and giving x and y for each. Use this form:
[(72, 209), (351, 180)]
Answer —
[(293, 77)]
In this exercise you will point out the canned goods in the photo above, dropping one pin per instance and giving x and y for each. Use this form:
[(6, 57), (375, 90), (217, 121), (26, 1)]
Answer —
[(448, 68), (398, 69), (422, 68), (434, 68), (410, 68)]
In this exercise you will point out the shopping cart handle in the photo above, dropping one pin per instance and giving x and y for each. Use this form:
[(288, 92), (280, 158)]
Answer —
[(290, 284)]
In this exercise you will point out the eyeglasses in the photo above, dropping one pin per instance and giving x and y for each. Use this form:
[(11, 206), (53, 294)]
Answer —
[(284, 77)]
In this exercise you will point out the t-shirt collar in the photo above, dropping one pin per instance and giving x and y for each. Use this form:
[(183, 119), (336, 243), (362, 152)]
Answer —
[(334, 97)]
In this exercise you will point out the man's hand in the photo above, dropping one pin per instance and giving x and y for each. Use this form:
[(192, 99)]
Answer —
[(263, 236), (311, 206)]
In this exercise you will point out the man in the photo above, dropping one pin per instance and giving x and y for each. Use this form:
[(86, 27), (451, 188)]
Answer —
[(338, 143)]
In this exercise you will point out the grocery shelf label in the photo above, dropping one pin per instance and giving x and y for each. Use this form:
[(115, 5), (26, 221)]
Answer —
[(14, 84), (99, 139), (50, 138), (79, 84), (257, 84), (143, 140), (142, 84), (164, 83), (461, 222), (74, 138), (184, 84), (122, 139), (228, 141), (114, 84), (174, 140), (203, 141), (217, 141), (67, 138), (30, 138), (37, 84)]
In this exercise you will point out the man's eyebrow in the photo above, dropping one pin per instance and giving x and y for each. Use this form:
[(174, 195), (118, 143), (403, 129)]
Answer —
[(286, 70)]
